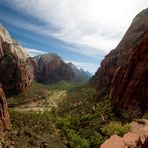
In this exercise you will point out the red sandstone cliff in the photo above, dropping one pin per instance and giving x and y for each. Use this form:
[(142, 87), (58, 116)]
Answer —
[(129, 89), (15, 74), (4, 115), (124, 70)]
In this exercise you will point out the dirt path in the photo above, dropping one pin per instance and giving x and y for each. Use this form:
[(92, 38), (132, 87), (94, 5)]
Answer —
[(54, 97), (51, 138)]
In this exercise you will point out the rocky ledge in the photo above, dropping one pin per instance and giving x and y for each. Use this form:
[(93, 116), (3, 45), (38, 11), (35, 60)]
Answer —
[(137, 137)]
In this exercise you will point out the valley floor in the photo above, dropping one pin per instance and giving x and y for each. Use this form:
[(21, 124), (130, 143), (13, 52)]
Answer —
[(61, 115), (51, 101)]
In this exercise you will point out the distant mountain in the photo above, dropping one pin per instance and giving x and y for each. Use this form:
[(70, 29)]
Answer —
[(80, 74), (52, 68), (89, 74)]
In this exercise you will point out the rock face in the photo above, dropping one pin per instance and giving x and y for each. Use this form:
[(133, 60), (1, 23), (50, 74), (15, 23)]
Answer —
[(114, 142), (52, 68), (123, 71), (137, 137), (4, 115), (129, 89), (15, 72)]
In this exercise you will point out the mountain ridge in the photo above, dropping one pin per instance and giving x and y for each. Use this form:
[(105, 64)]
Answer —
[(52, 68)]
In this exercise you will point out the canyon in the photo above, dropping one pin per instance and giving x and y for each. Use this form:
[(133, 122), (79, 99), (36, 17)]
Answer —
[(122, 76)]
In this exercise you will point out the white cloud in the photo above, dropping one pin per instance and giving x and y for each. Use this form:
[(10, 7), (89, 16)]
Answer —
[(24, 24), (97, 25), (34, 52)]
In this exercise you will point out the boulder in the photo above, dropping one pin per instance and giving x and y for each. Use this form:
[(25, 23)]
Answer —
[(137, 137), (140, 128), (114, 142), (132, 140)]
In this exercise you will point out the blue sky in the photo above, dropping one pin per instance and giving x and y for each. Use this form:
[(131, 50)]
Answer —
[(80, 31)]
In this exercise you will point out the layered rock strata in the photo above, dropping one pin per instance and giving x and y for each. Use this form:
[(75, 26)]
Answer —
[(123, 72)]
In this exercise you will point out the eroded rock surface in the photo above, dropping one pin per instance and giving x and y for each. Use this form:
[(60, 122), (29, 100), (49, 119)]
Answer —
[(4, 115), (50, 68), (129, 89), (15, 72), (137, 137), (114, 142), (123, 72)]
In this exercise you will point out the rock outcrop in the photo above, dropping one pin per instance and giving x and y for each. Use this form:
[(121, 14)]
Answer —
[(52, 68), (15, 72), (137, 137), (129, 89), (4, 115), (123, 71), (114, 142)]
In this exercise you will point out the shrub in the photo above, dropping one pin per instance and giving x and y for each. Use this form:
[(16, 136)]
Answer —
[(76, 141), (88, 117), (38, 122), (96, 140), (115, 127), (63, 122)]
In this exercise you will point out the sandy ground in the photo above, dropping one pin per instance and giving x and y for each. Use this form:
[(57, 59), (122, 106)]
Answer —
[(54, 97)]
